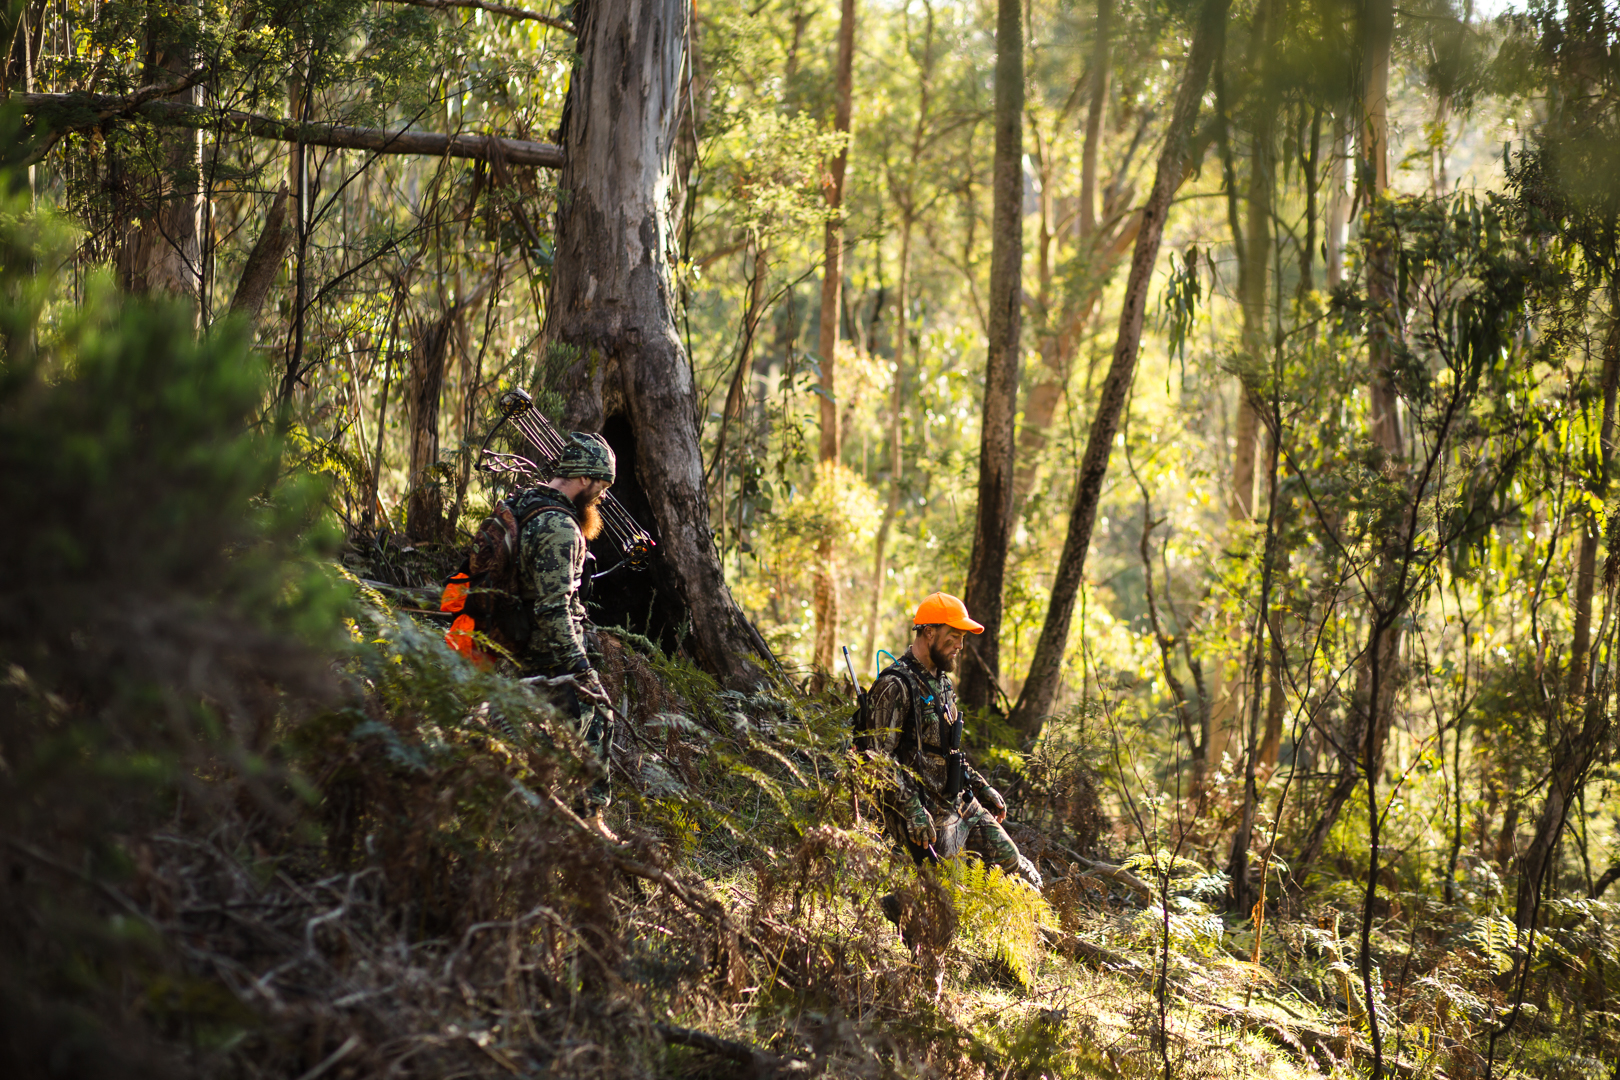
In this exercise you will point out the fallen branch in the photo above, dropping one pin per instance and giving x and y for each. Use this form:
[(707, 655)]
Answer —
[(1098, 956), (1117, 874), (760, 1062), (425, 595), (495, 9), (79, 111)]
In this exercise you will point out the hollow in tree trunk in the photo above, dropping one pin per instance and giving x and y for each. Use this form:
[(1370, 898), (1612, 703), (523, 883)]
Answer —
[(610, 319)]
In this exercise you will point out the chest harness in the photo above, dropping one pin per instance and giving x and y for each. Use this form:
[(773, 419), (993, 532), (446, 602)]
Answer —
[(947, 744)]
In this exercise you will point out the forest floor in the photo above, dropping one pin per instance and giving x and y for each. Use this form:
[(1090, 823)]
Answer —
[(403, 887), (726, 921)]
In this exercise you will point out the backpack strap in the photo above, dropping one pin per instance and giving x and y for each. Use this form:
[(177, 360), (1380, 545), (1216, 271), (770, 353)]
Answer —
[(920, 689), (912, 676)]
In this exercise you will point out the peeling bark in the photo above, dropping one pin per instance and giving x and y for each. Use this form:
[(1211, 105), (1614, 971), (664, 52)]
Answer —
[(610, 319)]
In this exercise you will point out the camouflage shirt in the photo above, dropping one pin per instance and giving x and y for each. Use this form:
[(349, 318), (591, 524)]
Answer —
[(553, 553), (905, 727)]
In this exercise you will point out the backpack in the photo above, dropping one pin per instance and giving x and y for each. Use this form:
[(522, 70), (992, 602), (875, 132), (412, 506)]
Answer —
[(861, 719), (486, 593)]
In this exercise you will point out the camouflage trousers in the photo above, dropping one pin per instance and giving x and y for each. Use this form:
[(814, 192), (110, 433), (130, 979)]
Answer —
[(984, 837), (988, 840), (594, 725)]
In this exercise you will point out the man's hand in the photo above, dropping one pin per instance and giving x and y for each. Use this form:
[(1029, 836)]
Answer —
[(992, 801), (588, 683), (921, 827)]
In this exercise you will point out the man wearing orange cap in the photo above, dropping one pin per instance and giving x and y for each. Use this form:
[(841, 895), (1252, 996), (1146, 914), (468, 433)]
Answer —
[(939, 804)]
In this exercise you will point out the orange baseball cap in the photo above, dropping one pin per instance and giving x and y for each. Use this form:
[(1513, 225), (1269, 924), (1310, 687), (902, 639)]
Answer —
[(944, 608)]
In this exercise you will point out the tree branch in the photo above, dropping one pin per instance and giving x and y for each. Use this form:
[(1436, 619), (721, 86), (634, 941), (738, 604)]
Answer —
[(498, 9), (77, 111)]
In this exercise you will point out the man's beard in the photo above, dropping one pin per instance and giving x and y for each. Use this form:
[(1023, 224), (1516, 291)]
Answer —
[(942, 663), (590, 518)]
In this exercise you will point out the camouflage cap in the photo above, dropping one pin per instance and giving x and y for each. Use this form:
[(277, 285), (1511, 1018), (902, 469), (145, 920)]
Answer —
[(586, 455)]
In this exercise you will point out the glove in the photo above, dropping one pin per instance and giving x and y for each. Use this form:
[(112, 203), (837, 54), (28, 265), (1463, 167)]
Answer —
[(920, 829), (590, 686), (991, 800)]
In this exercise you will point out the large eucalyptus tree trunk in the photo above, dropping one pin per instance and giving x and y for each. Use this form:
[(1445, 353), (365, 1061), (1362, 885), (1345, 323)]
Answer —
[(157, 186), (424, 511), (610, 320)]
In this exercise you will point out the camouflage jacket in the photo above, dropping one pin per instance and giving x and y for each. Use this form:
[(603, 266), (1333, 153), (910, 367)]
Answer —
[(554, 568), (907, 729)]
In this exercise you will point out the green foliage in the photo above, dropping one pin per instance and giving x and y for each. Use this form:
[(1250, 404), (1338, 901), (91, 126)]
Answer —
[(1001, 917), (160, 624), (1187, 889)]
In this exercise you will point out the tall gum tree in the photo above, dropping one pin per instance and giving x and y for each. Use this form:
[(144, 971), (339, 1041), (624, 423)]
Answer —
[(1254, 276), (158, 190), (1380, 671), (611, 313), (832, 282)]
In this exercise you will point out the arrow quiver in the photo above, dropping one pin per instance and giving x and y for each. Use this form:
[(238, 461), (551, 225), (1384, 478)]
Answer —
[(517, 407)]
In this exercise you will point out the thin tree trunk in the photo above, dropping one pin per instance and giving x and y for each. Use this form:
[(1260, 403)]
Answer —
[(1040, 690), (1439, 181), (1254, 275), (1101, 251), (1276, 701), (424, 394), (1586, 562), (1100, 71), (993, 524), (1378, 679), (23, 37), (907, 202), (896, 414), (1338, 217), (1243, 893), (611, 309), (737, 393), (1573, 754), (264, 261), (1309, 161), (832, 278), (1383, 669), (1057, 353)]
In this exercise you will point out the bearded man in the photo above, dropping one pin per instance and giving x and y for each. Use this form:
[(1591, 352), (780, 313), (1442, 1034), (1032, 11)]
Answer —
[(559, 517), (938, 804)]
